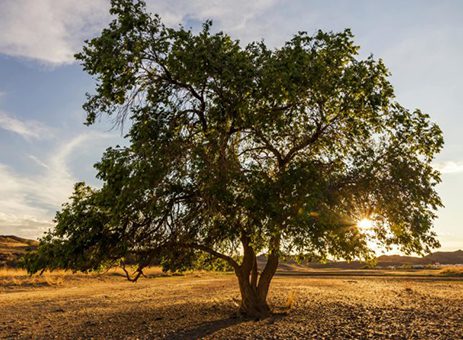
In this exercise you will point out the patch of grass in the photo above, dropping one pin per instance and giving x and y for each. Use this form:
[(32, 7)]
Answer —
[(19, 277), (291, 299), (452, 271), (14, 277)]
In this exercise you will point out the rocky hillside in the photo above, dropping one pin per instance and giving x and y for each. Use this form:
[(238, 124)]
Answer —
[(12, 248)]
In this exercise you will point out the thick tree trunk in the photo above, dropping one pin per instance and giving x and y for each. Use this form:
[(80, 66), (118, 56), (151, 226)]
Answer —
[(252, 303), (254, 290)]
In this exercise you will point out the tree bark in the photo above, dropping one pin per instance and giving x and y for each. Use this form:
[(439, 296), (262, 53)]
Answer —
[(254, 290), (267, 275), (252, 305)]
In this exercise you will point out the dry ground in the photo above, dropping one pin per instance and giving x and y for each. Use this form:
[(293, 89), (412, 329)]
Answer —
[(202, 305)]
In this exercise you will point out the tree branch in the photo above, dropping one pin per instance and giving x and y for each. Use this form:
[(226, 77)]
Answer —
[(211, 251), (193, 92), (248, 258), (270, 147), (139, 272), (270, 267), (305, 143)]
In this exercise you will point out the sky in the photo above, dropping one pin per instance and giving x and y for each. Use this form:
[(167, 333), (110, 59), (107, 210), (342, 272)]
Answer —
[(45, 148)]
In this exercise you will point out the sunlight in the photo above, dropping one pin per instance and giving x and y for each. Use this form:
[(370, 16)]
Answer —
[(365, 224)]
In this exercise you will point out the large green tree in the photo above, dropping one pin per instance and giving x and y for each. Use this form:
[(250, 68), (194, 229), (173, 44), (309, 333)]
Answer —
[(240, 150)]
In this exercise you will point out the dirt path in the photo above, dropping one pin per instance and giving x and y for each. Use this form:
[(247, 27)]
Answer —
[(203, 306)]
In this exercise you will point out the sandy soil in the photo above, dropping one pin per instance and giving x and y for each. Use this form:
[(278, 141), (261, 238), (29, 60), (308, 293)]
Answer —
[(203, 306)]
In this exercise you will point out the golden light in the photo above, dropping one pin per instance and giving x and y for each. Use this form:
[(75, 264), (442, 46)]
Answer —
[(365, 224)]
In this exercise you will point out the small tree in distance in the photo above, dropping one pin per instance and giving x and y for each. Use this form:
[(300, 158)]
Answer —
[(244, 150)]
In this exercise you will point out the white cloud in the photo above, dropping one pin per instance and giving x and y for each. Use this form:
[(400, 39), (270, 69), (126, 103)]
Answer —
[(51, 31), (16, 209), (230, 15), (242, 19), (28, 203), (38, 161), (25, 226), (28, 129), (449, 167)]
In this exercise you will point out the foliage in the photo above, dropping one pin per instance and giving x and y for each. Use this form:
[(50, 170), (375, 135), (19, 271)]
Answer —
[(185, 259), (243, 149)]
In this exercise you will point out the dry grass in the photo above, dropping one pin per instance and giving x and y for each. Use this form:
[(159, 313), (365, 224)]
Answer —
[(19, 277), (291, 299), (452, 271), (202, 305), (12, 277)]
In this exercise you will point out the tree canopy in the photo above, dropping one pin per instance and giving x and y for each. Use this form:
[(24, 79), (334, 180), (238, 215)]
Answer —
[(239, 150)]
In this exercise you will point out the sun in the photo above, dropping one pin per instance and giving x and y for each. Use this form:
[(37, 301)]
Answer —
[(365, 224)]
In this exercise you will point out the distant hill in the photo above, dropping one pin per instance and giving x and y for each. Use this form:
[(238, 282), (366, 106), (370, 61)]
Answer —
[(12, 248), (454, 257), (398, 260), (441, 257)]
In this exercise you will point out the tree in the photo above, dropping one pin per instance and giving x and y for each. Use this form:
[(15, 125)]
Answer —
[(242, 150)]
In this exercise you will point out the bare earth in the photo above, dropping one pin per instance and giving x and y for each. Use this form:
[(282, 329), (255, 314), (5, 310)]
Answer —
[(202, 305)]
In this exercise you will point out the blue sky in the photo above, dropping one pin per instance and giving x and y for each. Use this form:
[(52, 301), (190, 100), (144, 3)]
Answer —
[(45, 148)]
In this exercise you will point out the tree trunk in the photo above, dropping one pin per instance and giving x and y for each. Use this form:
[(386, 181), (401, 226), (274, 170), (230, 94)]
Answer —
[(253, 288), (252, 303), (267, 275), (253, 291)]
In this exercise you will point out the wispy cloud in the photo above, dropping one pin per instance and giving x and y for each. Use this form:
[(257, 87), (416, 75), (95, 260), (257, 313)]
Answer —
[(449, 167), (48, 30), (28, 203), (230, 15), (28, 129), (51, 31), (38, 161)]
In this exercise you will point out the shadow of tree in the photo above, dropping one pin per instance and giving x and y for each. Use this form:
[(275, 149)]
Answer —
[(147, 321), (207, 328)]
